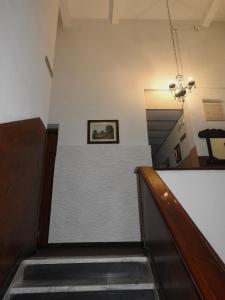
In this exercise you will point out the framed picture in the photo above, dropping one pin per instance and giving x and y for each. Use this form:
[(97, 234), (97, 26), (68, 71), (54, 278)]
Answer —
[(103, 132), (177, 153)]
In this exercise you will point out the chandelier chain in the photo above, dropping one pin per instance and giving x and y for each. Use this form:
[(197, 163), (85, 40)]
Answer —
[(179, 89), (172, 35), (179, 52)]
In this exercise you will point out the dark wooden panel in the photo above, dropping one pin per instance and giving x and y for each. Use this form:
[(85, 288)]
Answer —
[(183, 258), (173, 278), (47, 183), (90, 249), (213, 165), (21, 161)]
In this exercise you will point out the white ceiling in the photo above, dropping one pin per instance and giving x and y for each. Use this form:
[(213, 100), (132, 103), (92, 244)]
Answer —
[(116, 10)]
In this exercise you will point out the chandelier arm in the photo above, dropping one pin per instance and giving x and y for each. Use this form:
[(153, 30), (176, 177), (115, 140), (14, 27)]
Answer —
[(182, 106), (172, 35), (179, 52)]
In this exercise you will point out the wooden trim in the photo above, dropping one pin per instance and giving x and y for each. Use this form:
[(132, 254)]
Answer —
[(21, 161), (202, 263), (202, 167), (140, 207), (213, 165), (47, 183)]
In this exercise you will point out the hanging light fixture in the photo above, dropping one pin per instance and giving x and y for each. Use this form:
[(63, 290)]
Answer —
[(178, 88)]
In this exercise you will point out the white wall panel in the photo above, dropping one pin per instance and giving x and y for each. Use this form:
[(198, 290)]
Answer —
[(27, 35), (201, 193), (95, 193)]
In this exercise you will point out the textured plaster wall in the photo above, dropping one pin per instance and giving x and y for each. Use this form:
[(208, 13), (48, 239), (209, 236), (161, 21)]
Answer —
[(95, 195)]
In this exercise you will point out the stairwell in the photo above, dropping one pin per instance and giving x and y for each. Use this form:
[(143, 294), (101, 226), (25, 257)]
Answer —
[(91, 277)]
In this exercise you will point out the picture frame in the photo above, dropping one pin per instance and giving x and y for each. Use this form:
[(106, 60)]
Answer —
[(103, 132), (177, 153)]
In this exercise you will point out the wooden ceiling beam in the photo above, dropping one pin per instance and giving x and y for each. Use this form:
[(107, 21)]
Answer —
[(211, 13)]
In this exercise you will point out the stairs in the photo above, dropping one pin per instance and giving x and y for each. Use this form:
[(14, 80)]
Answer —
[(83, 278)]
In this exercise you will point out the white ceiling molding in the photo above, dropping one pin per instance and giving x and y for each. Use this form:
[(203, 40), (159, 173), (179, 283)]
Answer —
[(65, 13), (115, 12), (211, 13)]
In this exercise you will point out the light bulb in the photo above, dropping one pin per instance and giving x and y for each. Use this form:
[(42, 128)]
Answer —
[(172, 85), (180, 93), (191, 82)]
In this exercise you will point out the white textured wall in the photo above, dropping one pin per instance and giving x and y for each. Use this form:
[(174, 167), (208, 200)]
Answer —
[(27, 35), (95, 194), (201, 193), (96, 77)]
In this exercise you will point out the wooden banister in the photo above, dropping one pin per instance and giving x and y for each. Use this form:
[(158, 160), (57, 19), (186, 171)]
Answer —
[(186, 265)]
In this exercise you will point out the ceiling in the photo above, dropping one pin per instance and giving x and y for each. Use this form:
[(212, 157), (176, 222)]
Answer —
[(204, 11), (160, 122)]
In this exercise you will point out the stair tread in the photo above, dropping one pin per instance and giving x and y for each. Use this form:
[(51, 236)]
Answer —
[(86, 281), (84, 278), (87, 259), (116, 271), (81, 288)]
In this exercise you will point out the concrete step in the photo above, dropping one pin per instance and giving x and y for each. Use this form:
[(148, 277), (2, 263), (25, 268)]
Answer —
[(101, 269), (83, 278)]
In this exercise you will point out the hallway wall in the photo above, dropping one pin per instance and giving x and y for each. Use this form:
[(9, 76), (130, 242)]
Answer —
[(101, 71), (95, 194), (27, 35)]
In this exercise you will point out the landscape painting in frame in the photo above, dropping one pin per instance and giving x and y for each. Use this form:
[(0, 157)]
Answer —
[(103, 132)]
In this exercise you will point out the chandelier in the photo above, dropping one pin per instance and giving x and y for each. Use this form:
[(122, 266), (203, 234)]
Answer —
[(179, 88)]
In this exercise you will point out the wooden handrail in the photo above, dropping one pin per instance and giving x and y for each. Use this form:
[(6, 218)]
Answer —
[(203, 265)]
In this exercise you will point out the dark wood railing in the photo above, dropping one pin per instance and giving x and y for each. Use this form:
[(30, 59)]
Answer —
[(185, 265), (21, 161)]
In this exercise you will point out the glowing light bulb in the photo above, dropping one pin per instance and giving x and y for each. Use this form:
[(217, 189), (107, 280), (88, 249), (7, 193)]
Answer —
[(172, 84), (191, 82)]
